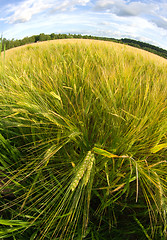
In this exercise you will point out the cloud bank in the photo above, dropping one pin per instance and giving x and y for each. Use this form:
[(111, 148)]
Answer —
[(25, 10), (149, 10), (139, 19)]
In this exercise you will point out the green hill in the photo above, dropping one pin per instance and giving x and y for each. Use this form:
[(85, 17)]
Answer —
[(83, 138)]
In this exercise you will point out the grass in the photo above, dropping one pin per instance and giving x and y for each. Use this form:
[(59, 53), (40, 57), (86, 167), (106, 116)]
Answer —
[(83, 137)]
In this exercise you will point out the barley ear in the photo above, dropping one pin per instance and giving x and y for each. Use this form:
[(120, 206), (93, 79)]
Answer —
[(83, 170)]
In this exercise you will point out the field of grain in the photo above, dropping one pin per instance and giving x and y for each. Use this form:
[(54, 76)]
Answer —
[(83, 139)]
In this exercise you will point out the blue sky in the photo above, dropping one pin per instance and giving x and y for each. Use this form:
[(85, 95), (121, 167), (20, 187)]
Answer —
[(144, 20)]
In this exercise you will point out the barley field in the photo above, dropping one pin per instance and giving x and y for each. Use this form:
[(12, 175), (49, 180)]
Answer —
[(83, 142)]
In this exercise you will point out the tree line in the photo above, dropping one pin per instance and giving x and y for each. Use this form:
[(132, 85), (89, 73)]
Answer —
[(7, 44)]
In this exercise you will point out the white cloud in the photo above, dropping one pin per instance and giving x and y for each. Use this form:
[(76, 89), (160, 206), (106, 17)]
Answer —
[(161, 22), (69, 5), (23, 11), (135, 27), (105, 23), (58, 23), (151, 10), (124, 8)]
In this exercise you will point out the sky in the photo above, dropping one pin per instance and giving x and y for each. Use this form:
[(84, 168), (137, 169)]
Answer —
[(143, 20)]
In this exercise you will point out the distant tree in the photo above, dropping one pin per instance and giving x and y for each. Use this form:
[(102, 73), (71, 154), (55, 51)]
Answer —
[(17, 43), (36, 38), (24, 41), (42, 37), (53, 36), (32, 39), (70, 35)]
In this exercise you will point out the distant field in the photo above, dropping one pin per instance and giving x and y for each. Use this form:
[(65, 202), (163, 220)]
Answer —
[(83, 142), (131, 48)]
